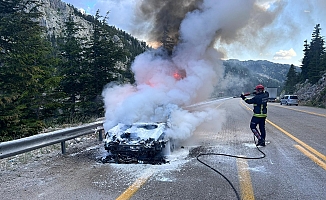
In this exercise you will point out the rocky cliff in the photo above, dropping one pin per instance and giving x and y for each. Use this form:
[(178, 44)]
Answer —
[(314, 95), (56, 13)]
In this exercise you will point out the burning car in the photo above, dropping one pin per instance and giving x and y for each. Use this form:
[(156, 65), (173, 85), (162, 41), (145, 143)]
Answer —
[(137, 143)]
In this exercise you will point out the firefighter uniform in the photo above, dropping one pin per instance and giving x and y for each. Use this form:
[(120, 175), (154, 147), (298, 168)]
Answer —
[(259, 102)]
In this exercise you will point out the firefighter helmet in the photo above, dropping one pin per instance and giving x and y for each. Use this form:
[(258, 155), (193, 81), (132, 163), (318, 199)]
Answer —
[(259, 87)]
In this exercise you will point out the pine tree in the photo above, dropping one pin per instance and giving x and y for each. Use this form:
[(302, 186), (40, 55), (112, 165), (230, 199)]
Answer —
[(291, 80), (316, 52), (305, 62), (24, 69), (323, 64), (103, 68), (72, 66)]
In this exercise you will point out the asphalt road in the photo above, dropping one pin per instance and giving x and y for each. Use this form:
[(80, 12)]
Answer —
[(294, 166)]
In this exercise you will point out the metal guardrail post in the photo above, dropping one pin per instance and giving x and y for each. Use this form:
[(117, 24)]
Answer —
[(63, 147), (100, 135)]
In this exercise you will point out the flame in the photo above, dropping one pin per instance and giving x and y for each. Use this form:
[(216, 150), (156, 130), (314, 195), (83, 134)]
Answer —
[(180, 74), (176, 76), (150, 84)]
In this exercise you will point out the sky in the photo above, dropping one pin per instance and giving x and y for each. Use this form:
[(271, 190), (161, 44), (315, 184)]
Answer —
[(274, 31)]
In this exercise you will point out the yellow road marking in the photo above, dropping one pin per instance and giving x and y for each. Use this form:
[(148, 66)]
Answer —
[(244, 174), (320, 155), (245, 105), (247, 192), (135, 186), (312, 150), (219, 105), (311, 156), (312, 113)]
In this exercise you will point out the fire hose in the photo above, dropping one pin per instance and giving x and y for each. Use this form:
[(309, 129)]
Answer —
[(233, 156)]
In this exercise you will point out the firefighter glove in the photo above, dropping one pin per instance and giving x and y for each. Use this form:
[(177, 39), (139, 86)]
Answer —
[(242, 96)]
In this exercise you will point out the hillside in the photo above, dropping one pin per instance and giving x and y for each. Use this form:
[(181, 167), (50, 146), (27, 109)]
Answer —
[(312, 95), (56, 13), (243, 76)]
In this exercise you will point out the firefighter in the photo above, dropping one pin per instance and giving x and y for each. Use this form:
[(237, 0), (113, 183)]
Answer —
[(259, 102)]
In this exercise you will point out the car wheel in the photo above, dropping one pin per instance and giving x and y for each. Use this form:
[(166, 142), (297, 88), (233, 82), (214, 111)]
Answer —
[(280, 103)]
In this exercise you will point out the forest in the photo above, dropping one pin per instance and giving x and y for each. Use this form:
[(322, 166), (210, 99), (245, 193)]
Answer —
[(53, 80), (313, 63), (313, 68)]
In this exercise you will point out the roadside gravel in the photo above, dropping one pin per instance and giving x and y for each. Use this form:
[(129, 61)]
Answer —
[(47, 174)]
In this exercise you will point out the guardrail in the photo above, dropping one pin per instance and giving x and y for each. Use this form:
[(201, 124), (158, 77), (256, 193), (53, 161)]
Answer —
[(23, 145)]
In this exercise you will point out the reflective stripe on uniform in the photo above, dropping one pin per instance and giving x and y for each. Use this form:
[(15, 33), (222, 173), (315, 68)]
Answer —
[(260, 115)]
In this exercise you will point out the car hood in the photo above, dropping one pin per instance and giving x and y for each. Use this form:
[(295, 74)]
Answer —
[(136, 131)]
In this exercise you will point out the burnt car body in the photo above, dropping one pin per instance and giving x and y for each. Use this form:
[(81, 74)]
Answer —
[(136, 143)]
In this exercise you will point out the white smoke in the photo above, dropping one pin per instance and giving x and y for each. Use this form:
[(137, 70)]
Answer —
[(157, 95)]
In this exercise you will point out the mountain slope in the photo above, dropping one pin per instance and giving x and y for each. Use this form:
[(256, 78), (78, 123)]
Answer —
[(57, 12), (243, 76)]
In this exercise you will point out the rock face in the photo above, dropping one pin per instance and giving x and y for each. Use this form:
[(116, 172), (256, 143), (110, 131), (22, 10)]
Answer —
[(317, 92), (56, 13)]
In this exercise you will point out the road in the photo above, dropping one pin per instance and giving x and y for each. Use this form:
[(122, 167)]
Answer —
[(294, 166)]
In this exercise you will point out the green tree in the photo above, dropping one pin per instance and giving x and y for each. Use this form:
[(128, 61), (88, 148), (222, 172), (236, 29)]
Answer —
[(317, 49), (24, 69), (323, 64), (106, 64), (312, 61), (291, 80), (72, 66), (305, 62)]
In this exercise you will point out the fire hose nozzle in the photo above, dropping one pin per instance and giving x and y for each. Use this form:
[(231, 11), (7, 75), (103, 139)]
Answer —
[(245, 94), (249, 93)]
